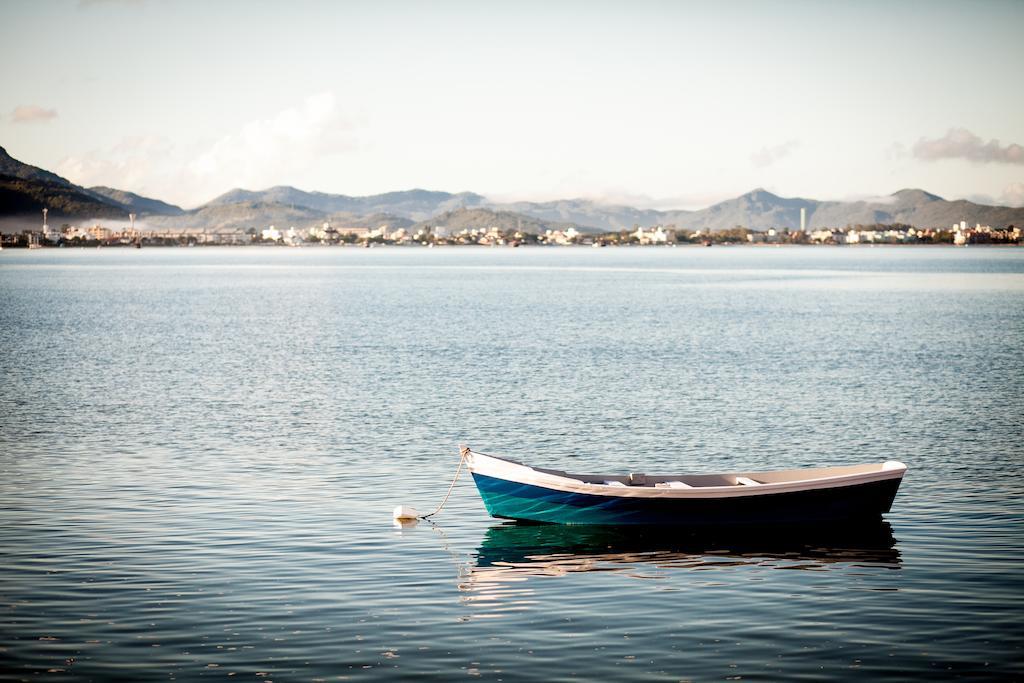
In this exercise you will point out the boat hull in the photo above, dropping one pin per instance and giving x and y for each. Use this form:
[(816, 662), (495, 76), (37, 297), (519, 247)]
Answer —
[(536, 503)]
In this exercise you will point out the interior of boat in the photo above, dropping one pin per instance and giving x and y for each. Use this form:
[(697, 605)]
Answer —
[(732, 479)]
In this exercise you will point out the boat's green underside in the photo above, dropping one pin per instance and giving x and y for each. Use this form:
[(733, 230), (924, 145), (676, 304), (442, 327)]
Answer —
[(512, 500)]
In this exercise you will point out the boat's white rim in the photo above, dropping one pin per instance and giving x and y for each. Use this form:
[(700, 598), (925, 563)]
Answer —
[(523, 474)]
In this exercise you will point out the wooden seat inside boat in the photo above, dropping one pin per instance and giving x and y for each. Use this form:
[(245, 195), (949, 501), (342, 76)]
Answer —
[(672, 485)]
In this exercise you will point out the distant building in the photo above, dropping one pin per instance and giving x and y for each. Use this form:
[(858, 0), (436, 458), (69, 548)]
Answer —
[(656, 235), (98, 232), (49, 235)]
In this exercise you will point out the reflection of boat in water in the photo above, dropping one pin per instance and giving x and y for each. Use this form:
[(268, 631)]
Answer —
[(557, 549), (512, 556)]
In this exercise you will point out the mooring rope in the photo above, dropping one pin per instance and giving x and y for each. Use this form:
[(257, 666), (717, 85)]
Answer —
[(463, 452)]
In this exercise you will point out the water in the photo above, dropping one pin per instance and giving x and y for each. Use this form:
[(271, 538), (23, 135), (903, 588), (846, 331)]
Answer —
[(200, 450)]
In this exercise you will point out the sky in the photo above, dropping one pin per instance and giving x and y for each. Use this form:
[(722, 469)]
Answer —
[(653, 104)]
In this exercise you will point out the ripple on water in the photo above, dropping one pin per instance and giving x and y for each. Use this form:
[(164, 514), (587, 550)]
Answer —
[(200, 450)]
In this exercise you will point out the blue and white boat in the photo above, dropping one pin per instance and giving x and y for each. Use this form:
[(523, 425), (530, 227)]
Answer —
[(513, 490)]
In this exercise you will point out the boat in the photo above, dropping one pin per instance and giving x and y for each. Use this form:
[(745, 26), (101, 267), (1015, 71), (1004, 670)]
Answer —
[(513, 490)]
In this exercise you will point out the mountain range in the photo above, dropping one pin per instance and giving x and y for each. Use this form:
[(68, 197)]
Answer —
[(26, 189)]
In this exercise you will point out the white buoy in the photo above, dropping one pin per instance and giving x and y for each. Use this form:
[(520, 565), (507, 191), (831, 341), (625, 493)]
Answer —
[(405, 512)]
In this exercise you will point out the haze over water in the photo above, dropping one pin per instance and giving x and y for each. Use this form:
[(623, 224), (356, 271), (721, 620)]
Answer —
[(200, 450)]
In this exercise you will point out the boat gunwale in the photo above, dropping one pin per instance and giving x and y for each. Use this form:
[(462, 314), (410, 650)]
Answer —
[(511, 470)]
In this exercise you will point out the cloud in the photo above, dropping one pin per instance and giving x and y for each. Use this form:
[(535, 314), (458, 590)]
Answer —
[(263, 150), (31, 113), (260, 153), (1013, 195), (960, 143), (769, 155), (981, 198), (677, 202), (86, 4), (896, 151), (872, 199), (142, 164)]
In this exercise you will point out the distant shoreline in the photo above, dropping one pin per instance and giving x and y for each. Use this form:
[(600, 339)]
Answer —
[(494, 235), (687, 245)]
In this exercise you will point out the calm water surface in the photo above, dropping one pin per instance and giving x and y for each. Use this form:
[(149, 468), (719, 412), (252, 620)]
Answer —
[(200, 450)]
